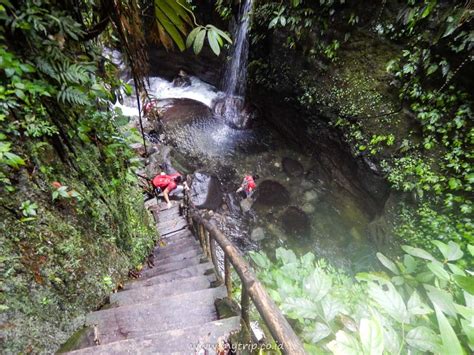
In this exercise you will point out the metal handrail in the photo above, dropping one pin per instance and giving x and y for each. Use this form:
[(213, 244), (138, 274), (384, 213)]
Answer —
[(252, 289)]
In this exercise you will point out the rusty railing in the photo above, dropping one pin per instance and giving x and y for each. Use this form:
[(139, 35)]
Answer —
[(208, 235)]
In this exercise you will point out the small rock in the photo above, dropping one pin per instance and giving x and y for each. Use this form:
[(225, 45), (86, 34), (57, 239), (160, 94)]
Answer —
[(246, 204), (310, 196), (308, 208), (257, 234)]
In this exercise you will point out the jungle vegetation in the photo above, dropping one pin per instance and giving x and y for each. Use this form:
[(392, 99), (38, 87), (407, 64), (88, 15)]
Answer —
[(72, 221)]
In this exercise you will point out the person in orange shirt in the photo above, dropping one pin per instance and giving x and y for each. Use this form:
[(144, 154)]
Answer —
[(166, 184)]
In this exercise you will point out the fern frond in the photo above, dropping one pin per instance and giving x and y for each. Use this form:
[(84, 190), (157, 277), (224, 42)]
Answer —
[(73, 95)]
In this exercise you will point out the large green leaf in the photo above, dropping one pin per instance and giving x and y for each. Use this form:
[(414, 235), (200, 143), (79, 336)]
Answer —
[(388, 263), (345, 344), (317, 285), (286, 256), (423, 339), (437, 268), (450, 342), (192, 36), (297, 307), (419, 253), (170, 28), (331, 308), (441, 299), (371, 337), (260, 259), (416, 306), (221, 33), (212, 39), (199, 42), (316, 332), (390, 301), (450, 251), (179, 8), (465, 282), (164, 6), (468, 329)]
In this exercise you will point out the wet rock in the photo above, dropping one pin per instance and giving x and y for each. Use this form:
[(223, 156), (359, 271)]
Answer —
[(272, 193), (206, 191), (246, 204), (153, 167), (307, 185), (308, 208), (182, 80), (181, 111), (310, 196), (257, 234), (294, 221), (233, 204), (292, 167)]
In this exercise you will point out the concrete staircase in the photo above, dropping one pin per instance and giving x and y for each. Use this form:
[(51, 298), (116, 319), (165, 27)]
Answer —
[(171, 307)]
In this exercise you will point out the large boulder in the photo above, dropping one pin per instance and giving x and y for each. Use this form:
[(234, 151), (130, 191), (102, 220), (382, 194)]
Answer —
[(206, 191), (181, 111), (271, 193), (292, 167), (295, 222)]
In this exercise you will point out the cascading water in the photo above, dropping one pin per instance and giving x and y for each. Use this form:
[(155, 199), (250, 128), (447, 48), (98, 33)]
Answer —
[(232, 106)]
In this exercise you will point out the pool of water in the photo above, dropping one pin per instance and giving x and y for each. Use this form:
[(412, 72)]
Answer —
[(335, 224)]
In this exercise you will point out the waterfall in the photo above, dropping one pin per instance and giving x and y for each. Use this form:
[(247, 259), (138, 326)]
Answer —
[(232, 106)]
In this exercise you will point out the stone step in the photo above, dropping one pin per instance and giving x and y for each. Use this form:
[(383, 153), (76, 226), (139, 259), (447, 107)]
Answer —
[(176, 236), (182, 255), (179, 247), (153, 292), (191, 271), (175, 312), (172, 212), (171, 266), (190, 340), (173, 226)]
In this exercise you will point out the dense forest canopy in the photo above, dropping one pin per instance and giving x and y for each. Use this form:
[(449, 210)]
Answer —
[(71, 214)]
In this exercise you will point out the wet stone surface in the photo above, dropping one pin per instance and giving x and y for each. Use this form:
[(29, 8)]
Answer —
[(292, 167), (272, 193), (295, 222)]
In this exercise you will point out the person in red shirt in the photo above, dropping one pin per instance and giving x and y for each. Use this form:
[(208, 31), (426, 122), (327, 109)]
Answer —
[(167, 183), (248, 186)]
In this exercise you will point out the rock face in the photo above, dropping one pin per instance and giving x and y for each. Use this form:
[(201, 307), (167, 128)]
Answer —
[(295, 222), (292, 167), (233, 204), (206, 191), (272, 193)]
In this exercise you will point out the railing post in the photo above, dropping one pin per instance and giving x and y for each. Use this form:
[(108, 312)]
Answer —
[(207, 238), (227, 276), (212, 244), (201, 236), (245, 305)]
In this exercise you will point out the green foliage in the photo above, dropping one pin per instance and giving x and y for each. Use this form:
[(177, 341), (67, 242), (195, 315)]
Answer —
[(307, 24), (57, 124), (423, 304), (173, 18), (215, 37)]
